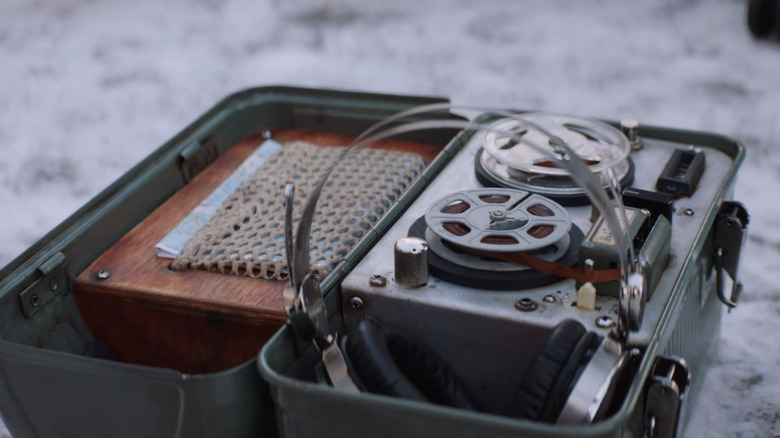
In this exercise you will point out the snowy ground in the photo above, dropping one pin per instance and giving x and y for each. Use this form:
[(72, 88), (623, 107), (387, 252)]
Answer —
[(90, 87)]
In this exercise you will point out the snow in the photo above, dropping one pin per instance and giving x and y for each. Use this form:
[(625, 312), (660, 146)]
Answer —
[(90, 87)]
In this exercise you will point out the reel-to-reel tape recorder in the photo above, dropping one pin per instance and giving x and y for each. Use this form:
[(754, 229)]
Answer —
[(523, 281), (512, 274), (507, 256)]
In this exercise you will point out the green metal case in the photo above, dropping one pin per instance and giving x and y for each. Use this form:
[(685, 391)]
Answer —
[(49, 389)]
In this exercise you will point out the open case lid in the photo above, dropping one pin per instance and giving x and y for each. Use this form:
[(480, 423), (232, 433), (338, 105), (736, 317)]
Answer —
[(42, 333)]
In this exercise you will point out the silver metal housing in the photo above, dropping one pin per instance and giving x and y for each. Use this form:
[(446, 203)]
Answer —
[(481, 333)]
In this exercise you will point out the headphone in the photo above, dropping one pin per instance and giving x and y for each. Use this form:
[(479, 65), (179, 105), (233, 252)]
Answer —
[(386, 359)]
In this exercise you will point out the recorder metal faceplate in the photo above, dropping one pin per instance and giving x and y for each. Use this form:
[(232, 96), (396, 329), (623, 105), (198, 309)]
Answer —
[(456, 318)]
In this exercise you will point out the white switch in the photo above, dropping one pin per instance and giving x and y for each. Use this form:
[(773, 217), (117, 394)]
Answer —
[(586, 297)]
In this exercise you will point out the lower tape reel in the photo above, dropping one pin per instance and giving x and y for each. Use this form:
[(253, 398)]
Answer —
[(464, 228)]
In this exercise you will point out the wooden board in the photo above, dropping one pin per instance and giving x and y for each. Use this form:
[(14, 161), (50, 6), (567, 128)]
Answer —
[(192, 321)]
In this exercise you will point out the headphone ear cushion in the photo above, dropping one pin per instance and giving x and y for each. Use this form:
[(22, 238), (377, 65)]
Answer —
[(549, 379), (388, 360)]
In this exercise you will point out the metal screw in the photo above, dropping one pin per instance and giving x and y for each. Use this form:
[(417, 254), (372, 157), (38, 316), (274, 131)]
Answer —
[(377, 280), (356, 303), (497, 215), (102, 275), (605, 322), (730, 223), (53, 284), (589, 264), (526, 305), (34, 300), (688, 211), (549, 299)]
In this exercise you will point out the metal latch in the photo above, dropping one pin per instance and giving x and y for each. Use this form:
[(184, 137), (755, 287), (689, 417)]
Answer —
[(730, 234), (53, 280), (195, 157), (666, 396)]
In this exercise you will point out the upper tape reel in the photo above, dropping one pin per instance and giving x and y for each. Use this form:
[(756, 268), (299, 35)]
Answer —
[(507, 160)]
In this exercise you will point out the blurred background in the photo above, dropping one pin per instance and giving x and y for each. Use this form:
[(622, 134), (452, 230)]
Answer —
[(90, 87)]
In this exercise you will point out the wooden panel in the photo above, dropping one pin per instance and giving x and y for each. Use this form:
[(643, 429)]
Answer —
[(152, 315), (144, 333)]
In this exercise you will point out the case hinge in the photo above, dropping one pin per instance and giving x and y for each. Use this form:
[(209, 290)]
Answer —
[(195, 157), (730, 234), (51, 283), (666, 396)]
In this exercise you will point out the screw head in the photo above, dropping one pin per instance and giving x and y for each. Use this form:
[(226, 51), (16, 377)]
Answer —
[(377, 280), (589, 264), (35, 300), (54, 284), (526, 305), (497, 215), (605, 322), (688, 211), (102, 275), (549, 299), (356, 303)]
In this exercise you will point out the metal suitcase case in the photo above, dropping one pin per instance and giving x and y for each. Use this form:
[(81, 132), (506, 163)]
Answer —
[(65, 290), (491, 338)]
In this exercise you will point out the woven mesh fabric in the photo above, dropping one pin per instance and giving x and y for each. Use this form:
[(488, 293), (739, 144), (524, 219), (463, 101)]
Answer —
[(246, 235)]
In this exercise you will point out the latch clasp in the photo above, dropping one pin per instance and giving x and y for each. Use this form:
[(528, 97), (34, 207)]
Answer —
[(730, 234), (666, 397)]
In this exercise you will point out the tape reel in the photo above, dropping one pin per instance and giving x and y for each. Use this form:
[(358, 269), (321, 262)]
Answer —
[(465, 228), (498, 220), (507, 160)]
